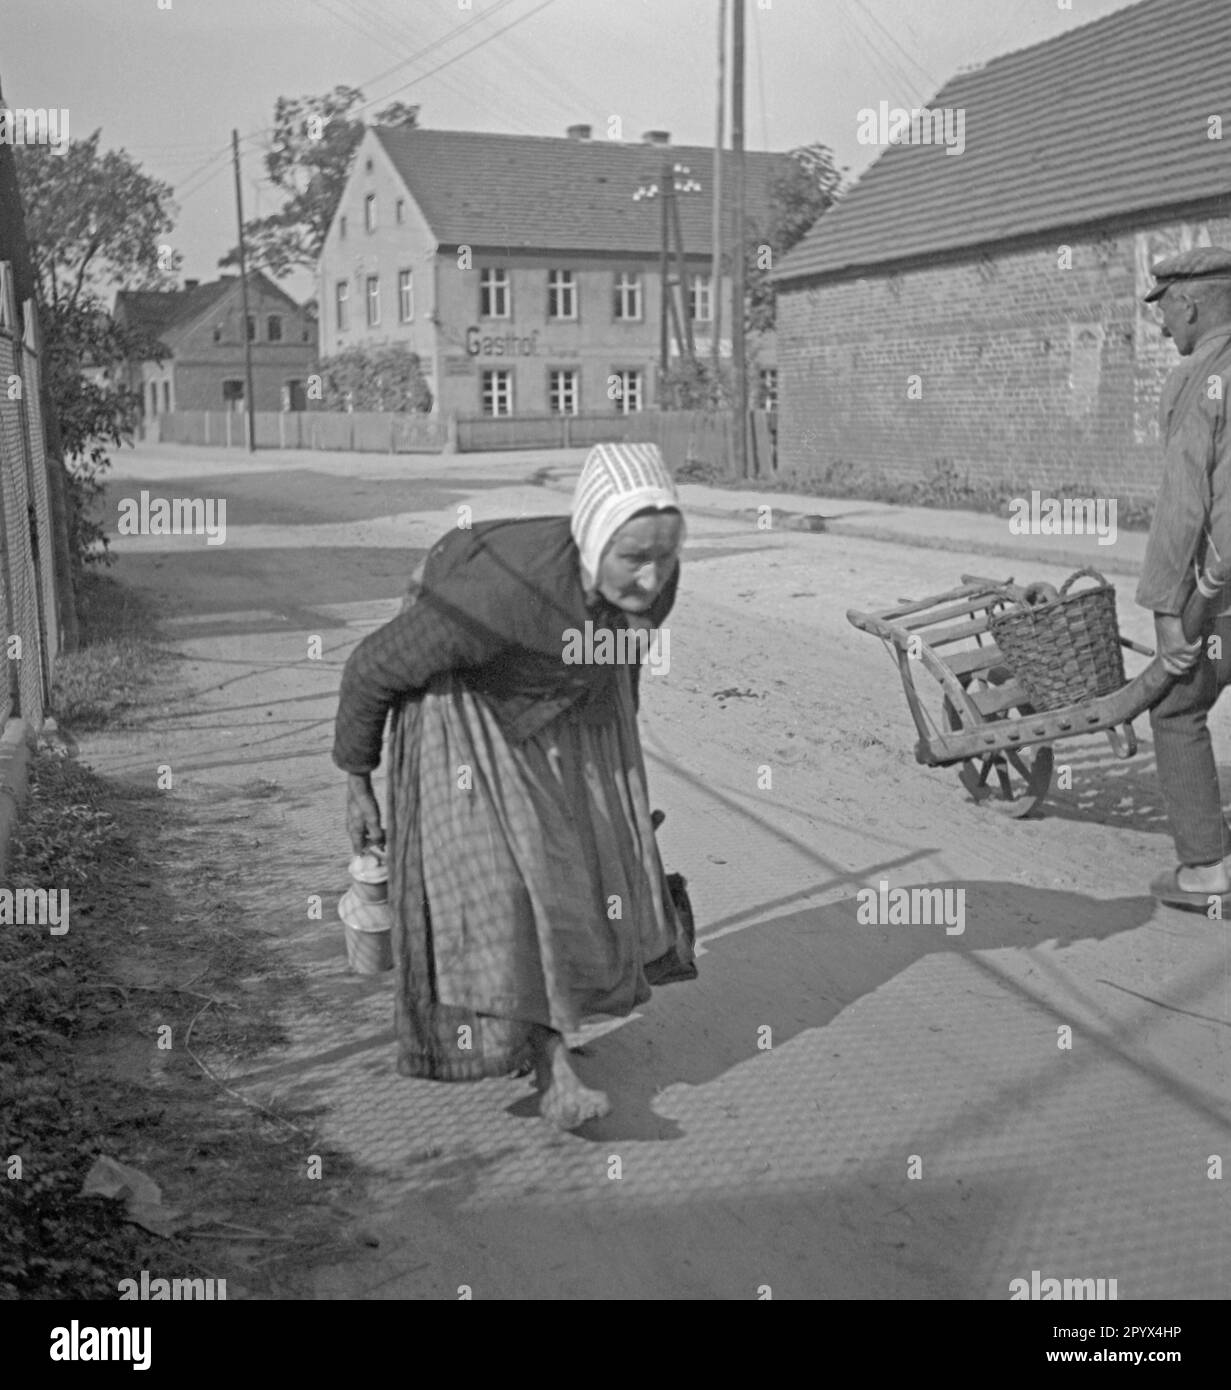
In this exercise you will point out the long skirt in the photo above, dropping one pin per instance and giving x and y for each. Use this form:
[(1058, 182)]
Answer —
[(525, 882)]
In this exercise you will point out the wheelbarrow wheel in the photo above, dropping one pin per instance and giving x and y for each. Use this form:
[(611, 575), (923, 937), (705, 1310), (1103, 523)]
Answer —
[(1012, 781)]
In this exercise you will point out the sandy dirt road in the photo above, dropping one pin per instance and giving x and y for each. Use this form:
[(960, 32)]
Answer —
[(834, 1109)]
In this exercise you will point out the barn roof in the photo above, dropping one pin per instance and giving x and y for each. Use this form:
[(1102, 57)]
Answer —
[(1109, 120)]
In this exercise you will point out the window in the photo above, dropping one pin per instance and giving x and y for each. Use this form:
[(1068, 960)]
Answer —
[(498, 393), (251, 328), (626, 389), (342, 295), (561, 294), (153, 398), (166, 395), (768, 392), (493, 293), (406, 296), (369, 212), (373, 300), (400, 207), (563, 390), (342, 228), (233, 393), (273, 328), (701, 298), (627, 303), (217, 333)]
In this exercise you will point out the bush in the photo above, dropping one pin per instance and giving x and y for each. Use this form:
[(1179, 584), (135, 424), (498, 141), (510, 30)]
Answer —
[(384, 377)]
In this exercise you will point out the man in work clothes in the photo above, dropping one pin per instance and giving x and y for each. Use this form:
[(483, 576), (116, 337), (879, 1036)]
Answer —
[(1192, 523)]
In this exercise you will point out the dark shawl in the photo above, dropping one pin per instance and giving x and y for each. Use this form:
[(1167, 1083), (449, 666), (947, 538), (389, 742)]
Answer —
[(495, 603)]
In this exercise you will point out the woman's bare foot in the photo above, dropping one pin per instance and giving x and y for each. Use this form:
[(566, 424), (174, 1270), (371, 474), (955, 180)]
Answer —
[(566, 1103)]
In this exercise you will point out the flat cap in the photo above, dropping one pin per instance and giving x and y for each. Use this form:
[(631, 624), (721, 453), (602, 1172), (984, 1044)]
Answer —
[(1201, 263)]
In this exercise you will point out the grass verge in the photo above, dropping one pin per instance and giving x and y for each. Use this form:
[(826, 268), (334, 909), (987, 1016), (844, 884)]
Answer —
[(101, 1027), (942, 486)]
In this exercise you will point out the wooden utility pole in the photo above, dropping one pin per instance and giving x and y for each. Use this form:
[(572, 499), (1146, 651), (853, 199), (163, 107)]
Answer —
[(250, 401), (738, 346), (716, 221)]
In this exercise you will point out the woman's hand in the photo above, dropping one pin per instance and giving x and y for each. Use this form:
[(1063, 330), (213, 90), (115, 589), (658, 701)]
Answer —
[(362, 813)]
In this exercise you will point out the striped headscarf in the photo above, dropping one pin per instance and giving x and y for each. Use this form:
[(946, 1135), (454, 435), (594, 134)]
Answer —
[(617, 481)]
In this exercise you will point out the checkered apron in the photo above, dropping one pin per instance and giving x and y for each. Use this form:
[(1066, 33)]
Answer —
[(525, 881)]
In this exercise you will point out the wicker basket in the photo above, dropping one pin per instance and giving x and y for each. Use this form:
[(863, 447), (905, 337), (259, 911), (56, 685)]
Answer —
[(1065, 650)]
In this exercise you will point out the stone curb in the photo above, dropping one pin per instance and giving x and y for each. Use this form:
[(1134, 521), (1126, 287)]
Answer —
[(1018, 551), (15, 748)]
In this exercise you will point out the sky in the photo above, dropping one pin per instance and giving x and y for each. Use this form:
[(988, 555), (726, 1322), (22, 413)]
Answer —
[(168, 80)]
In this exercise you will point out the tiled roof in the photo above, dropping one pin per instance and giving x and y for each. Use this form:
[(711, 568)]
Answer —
[(161, 311), (547, 193), (1108, 120)]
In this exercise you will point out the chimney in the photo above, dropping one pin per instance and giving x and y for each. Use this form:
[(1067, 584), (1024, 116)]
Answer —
[(578, 132), (191, 284), (656, 137)]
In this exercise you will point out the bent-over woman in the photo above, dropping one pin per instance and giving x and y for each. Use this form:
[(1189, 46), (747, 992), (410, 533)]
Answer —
[(525, 883)]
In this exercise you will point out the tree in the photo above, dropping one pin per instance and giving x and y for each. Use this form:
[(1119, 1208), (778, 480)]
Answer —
[(309, 157), (810, 185), (93, 220)]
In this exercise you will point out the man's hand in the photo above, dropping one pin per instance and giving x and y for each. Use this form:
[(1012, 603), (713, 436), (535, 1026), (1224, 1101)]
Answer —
[(1178, 654), (362, 813)]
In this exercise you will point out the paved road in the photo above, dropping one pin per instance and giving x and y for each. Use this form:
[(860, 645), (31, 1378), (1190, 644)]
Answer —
[(834, 1109)]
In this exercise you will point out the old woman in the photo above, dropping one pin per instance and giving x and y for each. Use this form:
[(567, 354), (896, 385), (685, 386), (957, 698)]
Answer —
[(525, 883)]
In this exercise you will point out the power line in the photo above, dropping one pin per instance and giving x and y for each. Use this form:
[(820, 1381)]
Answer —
[(880, 61), (262, 132), (431, 47), (423, 77), (204, 175), (933, 84)]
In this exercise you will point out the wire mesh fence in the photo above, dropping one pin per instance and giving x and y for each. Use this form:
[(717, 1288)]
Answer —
[(27, 578)]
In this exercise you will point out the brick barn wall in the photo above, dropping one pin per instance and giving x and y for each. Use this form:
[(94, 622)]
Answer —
[(1029, 375)]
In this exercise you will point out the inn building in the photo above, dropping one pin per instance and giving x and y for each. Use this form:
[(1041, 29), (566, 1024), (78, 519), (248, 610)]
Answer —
[(975, 317), (524, 270)]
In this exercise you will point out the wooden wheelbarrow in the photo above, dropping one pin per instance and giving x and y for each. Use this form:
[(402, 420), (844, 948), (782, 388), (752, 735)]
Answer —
[(981, 719)]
